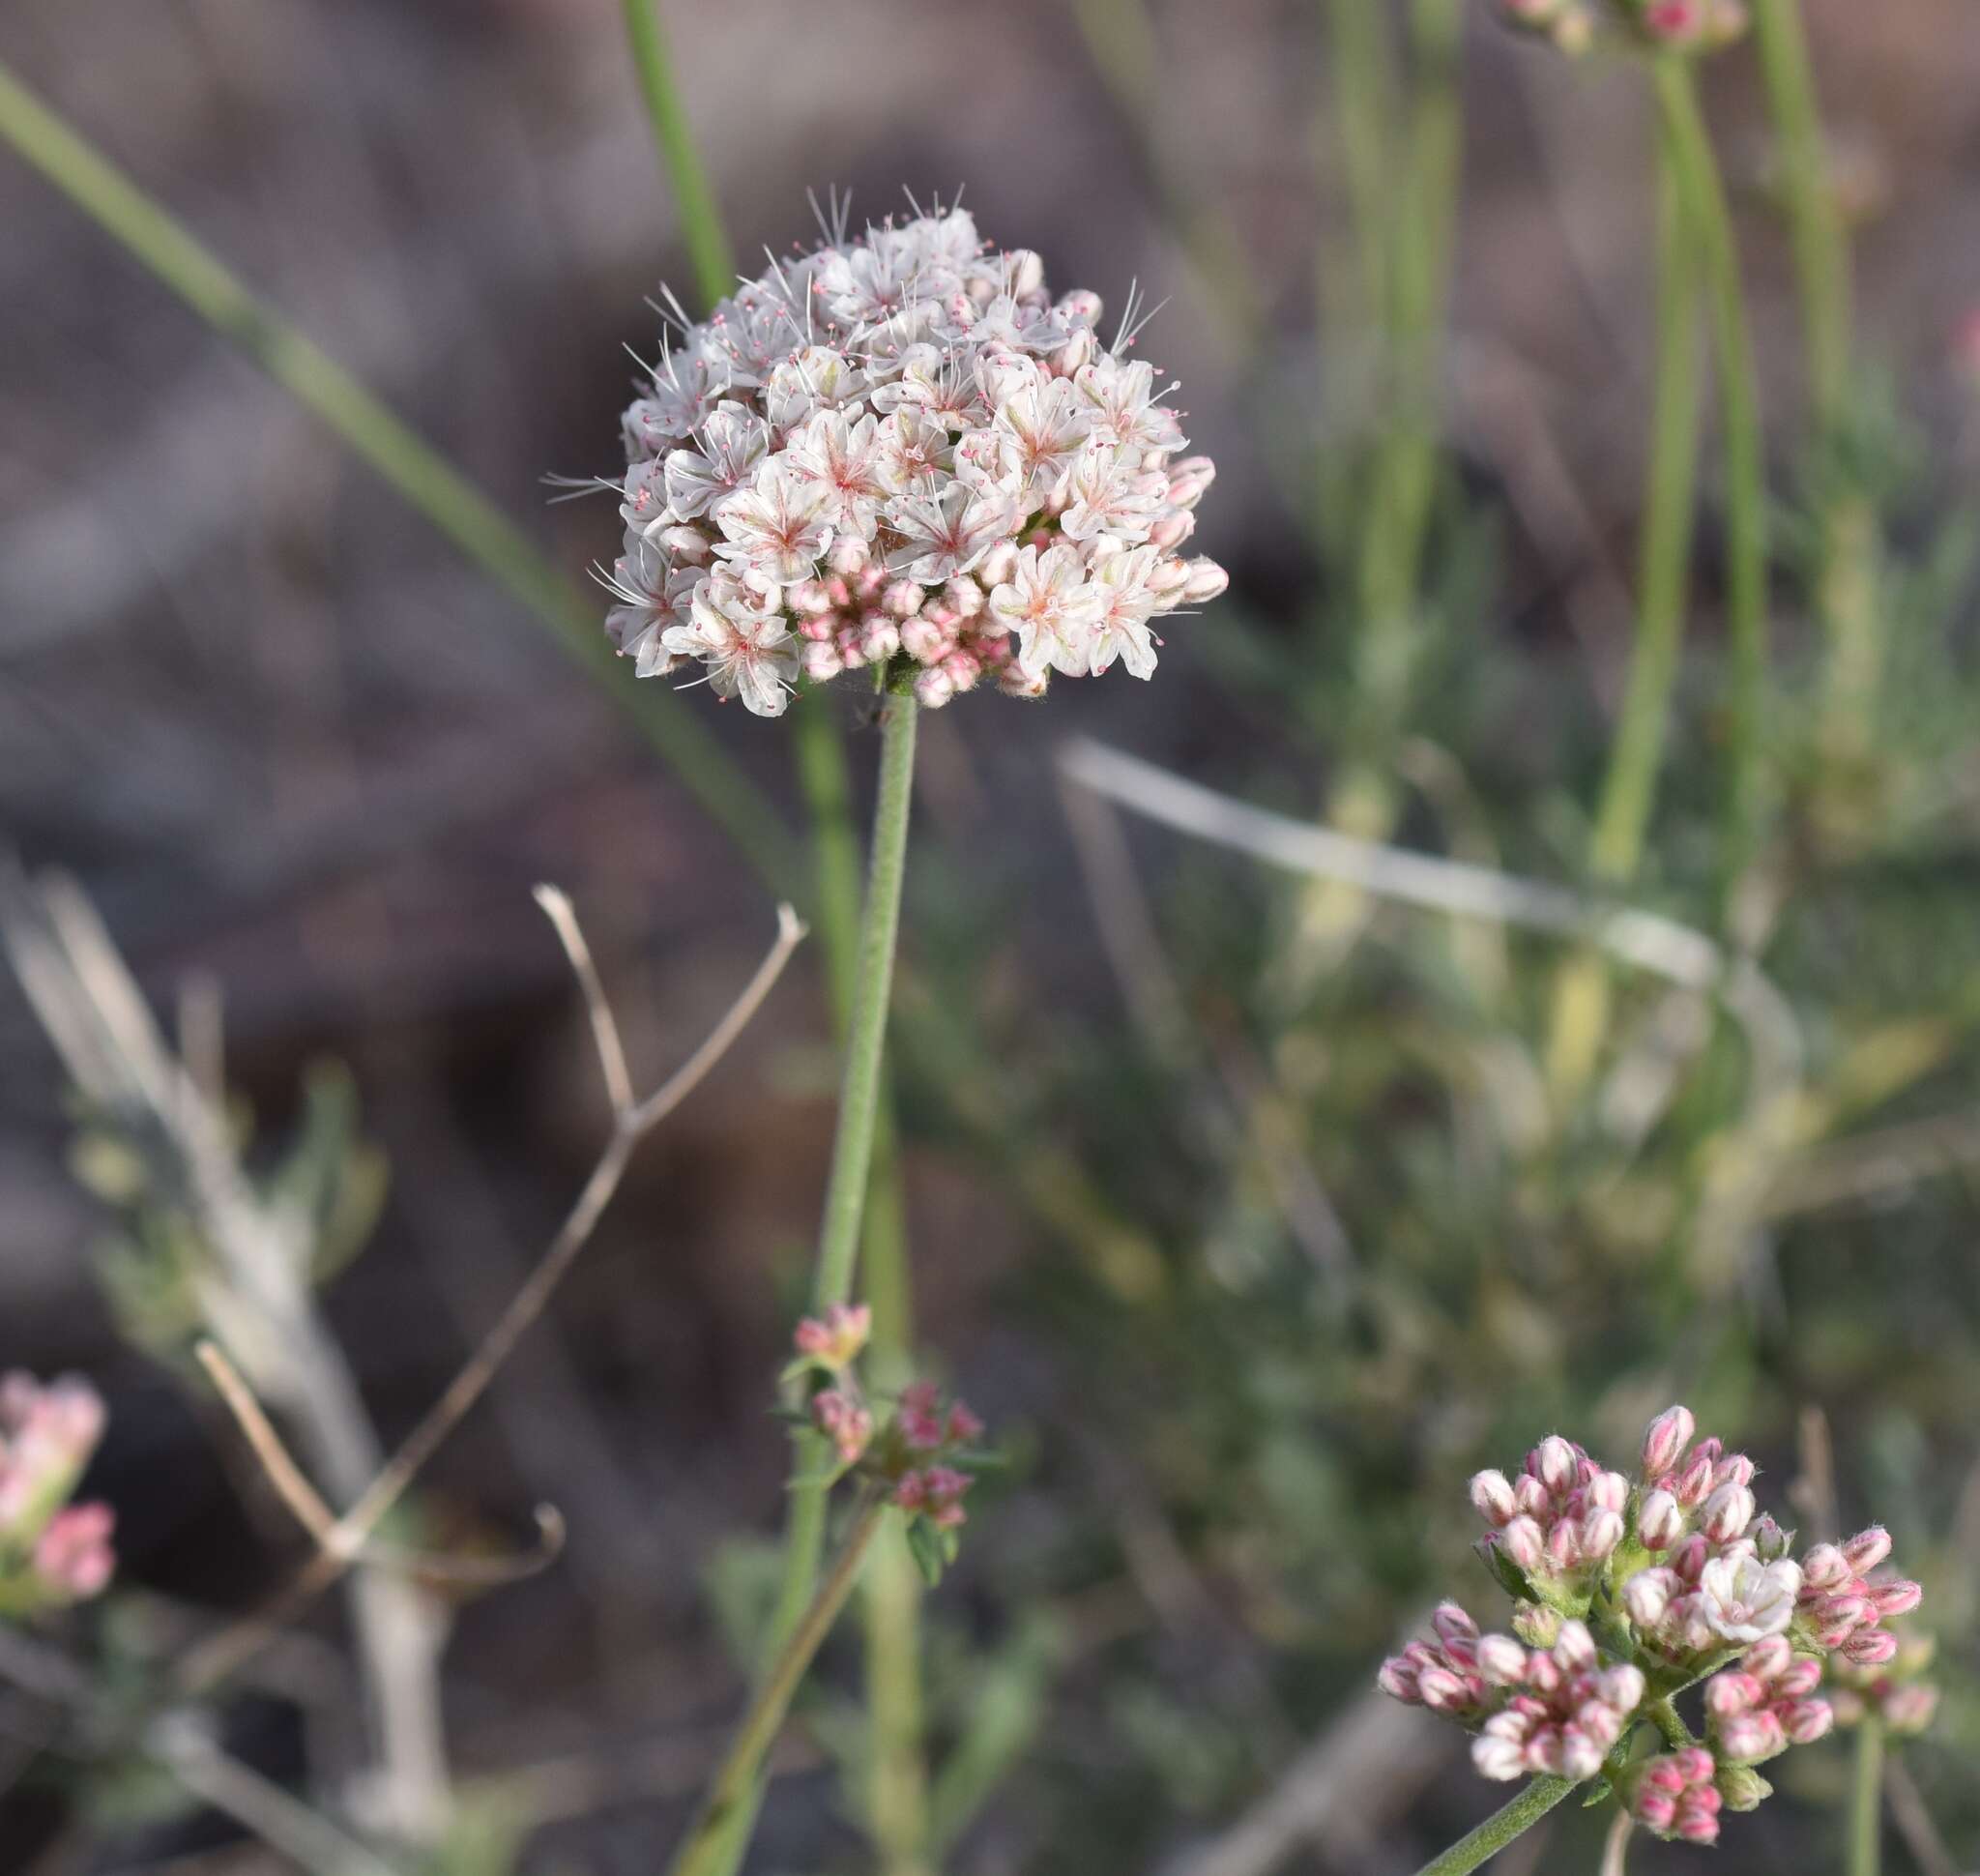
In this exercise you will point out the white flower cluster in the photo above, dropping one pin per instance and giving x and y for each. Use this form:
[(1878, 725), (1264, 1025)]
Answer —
[(897, 452)]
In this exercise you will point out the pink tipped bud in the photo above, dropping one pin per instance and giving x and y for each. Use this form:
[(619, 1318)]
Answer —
[(1696, 1823), (1556, 1464), (1806, 1721), (1601, 1532), (73, 1557), (1442, 1690), (1205, 580), (1770, 1658), (1897, 1598), (1563, 1545), (1690, 1558), (1397, 1677), (1696, 1764), (1728, 1512), (902, 597), (1654, 1809), (1622, 1688), (822, 663), (1669, 1434), (1607, 1491), (1733, 1693), (1665, 1776), (1870, 1647), (1660, 1523), (1188, 480), (933, 689), (962, 670), (1746, 1737), (1648, 1595), (1501, 1661), (1575, 1648), (1736, 1468), (1524, 1542), (1692, 1482), (1491, 1497), (843, 1421), (1530, 1496), (1824, 1567), (1453, 1625), (1581, 1757), (1867, 1549), (880, 639), (1769, 1541), (1498, 1758), (963, 1426), (1799, 1678)]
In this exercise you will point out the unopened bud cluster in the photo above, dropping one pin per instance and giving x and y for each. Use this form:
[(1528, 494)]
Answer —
[(51, 1551), (1659, 26), (899, 453), (1894, 1690), (1630, 1589), (915, 1457)]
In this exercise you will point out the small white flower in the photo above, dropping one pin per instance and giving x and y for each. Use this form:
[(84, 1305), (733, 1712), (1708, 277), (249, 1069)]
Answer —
[(817, 378), (739, 634), (1125, 605), (1120, 399), (913, 451), (1052, 607), (775, 530), (946, 534), (653, 596), (843, 457), (1046, 423), (1110, 493), (1744, 1600), (732, 444)]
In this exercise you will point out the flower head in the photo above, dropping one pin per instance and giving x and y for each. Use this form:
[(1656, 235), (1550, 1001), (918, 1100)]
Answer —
[(905, 404), (51, 1551)]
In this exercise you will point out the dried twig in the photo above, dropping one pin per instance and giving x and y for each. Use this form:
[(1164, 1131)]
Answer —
[(631, 1120)]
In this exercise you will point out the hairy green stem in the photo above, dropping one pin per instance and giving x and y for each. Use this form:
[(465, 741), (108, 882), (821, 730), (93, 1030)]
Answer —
[(1746, 522), (1510, 1821), (1866, 1800), (733, 1790), (701, 222), (417, 472)]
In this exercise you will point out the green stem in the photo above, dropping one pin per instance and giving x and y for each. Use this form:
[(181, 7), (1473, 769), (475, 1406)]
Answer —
[(1580, 1014), (1746, 523), (701, 222), (733, 1790), (417, 472), (1664, 554), (848, 1184), (1500, 1829), (1866, 1800), (1821, 253)]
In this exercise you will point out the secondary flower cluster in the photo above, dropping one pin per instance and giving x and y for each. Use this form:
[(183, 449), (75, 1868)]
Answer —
[(51, 1551), (915, 1455), (1661, 25), (1630, 1590), (899, 452), (1894, 1691)]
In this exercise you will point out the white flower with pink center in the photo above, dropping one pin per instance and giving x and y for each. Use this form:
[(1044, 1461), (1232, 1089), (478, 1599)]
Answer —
[(1052, 607)]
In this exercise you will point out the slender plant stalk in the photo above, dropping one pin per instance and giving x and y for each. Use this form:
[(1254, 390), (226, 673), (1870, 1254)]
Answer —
[(1815, 223), (701, 222), (1746, 522), (1510, 1821), (1580, 997), (417, 472), (1866, 1800), (732, 1792), (895, 1805), (845, 1198)]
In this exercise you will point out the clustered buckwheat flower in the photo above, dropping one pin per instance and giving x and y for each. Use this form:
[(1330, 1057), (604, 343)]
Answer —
[(899, 452), (915, 1457), (1894, 1691), (51, 1551), (1630, 1591)]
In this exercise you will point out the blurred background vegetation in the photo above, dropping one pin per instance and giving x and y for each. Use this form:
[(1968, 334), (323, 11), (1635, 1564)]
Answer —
[(1255, 1210)]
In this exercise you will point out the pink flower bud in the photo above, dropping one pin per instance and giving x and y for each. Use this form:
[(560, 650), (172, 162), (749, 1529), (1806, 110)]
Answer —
[(1648, 1595), (72, 1556), (1697, 1764), (1897, 1598), (1769, 1540), (1652, 1808), (1530, 1496), (1824, 1567), (835, 1340), (1664, 1774), (1690, 1558), (880, 639), (1563, 1545), (1600, 1533), (1870, 1647), (1396, 1676), (1697, 1821), (1836, 1618), (1692, 1482), (1501, 1661), (1442, 1690), (847, 557), (903, 599), (933, 689), (1736, 1468), (1669, 1434), (1746, 1737), (1581, 1757), (1867, 1549), (1575, 1648), (1453, 1624), (1801, 1678), (1660, 1523), (1770, 1658), (963, 1426), (1806, 1721), (1188, 480), (822, 663), (1206, 579), (1556, 1464), (1728, 1512), (1733, 1692), (1622, 1688), (1524, 1542), (1491, 1497)]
